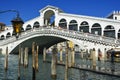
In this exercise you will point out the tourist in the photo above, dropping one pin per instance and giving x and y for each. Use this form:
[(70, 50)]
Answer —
[(99, 55)]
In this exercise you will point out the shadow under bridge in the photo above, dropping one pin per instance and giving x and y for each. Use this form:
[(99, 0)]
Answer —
[(42, 41)]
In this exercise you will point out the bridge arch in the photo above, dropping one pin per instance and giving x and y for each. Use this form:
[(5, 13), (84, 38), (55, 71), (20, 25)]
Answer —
[(84, 27), (47, 36), (96, 29), (109, 31), (41, 40)]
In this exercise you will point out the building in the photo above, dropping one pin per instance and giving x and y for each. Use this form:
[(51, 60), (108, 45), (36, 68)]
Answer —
[(2, 27), (51, 15), (54, 16), (115, 15)]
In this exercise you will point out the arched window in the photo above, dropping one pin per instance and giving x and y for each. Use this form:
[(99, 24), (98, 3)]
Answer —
[(8, 35), (63, 24), (22, 29), (109, 31), (96, 29), (28, 27), (73, 25), (84, 27), (36, 25), (119, 34), (2, 37), (49, 18)]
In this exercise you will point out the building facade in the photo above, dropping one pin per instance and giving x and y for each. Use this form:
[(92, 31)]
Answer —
[(55, 17), (2, 27)]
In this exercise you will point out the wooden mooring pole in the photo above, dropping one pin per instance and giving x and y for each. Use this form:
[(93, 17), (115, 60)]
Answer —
[(35, 50), (33, 61), (6, 60), (21, 56), (66, 64), (26, 57), (19, 62), (44, 54), (36, 59), (94, 59), (53, 62)]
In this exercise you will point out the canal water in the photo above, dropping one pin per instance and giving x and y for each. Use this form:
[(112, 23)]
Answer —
[(45, 70)]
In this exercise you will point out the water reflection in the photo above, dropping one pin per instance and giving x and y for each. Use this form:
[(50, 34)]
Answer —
[(112, 68)]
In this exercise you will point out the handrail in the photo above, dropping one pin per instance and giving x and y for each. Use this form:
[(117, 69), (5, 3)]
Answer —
[(66, 33)]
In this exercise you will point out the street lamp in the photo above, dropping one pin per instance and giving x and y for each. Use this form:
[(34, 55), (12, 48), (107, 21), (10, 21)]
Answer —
[(17, 23)]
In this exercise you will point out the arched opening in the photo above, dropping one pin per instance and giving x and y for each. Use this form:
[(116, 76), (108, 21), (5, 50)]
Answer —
[(73, 25), (36, 25), (22, 29), (28, 27), (49, 18), (8, 35), (13, 33), (63, 23), (109, 31), (119, 34), (2, 37), (84, 27), (96, 29)]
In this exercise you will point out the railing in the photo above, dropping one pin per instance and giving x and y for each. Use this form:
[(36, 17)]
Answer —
[(66, 33)]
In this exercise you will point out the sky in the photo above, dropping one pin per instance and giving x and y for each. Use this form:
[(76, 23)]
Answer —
[(29, 9)]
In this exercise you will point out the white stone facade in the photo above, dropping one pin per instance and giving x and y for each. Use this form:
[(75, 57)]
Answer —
[(54, 16)]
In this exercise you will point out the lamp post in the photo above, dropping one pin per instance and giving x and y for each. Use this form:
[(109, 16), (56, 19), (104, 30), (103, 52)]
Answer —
[(17, 23)]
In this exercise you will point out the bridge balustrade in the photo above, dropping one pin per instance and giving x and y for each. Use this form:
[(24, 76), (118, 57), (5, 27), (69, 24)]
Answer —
[(66, 33)]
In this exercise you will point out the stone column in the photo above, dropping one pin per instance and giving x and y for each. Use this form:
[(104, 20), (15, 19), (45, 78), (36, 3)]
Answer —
[(54, 61), (46, 22), (44, 54)]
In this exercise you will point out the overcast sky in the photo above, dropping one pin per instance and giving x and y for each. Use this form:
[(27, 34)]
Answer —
[(29, 9)]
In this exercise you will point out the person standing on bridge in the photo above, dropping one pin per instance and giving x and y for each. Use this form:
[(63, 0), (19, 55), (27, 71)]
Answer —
[(112, 55), (99, 55)]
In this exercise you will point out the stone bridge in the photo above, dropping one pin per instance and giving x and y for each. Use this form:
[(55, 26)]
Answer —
[(48, 36)]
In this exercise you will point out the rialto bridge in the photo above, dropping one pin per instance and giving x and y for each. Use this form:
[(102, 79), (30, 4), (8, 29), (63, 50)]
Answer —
[(54, 26)]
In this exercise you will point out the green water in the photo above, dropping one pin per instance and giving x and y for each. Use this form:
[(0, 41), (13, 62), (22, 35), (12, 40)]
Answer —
[(45, 71)]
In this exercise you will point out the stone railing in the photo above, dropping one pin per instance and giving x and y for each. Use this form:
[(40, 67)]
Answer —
[(65, 33)]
